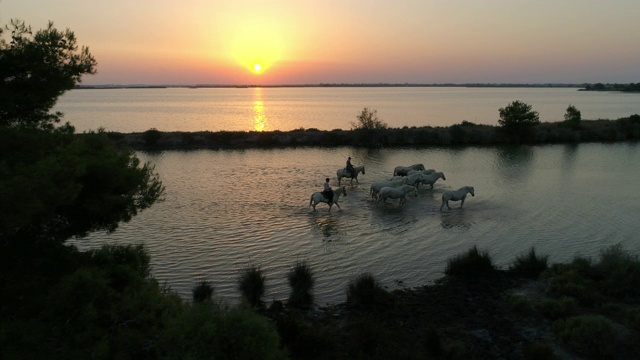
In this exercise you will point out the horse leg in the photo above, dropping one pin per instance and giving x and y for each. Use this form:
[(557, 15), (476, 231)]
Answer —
[(461, 203)]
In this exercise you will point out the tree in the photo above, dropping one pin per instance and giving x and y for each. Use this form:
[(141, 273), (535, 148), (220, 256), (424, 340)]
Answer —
[(368, 120), (572, 116), (55, 184), (35, 69), (517, 119)]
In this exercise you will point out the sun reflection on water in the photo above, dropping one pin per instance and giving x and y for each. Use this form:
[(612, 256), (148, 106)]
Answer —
[(259, 117)]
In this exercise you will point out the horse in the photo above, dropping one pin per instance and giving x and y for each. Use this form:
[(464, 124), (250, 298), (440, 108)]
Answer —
[(425, 172), (456, 195), (343, 173), (376, 186), (431, 179), (415, 179), (318, 197), (402, 170), (396, 193)]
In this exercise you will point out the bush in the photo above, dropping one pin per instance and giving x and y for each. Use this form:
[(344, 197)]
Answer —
[(252, 286), (519, 304), (529, 265), (365, 291), (590, 335), (559, 308), (208, 331), (202, 292), (538, 350), (470, 265), (301, 280), (368, 120)]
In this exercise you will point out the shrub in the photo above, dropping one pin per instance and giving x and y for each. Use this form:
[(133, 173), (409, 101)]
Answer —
[(252, 286), (519, 304), (591, 335), (301, 280), (151, 137), (529, 265), (208, 331), (559, 308), (470, 265), (538, 350), (202, 292), (368, 120), (365, 291), (620, 272)]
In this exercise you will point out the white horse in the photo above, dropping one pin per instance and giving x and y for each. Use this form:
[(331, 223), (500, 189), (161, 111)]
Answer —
[(318, 197), (396, 193), (425, 172), (342, 173), (414, 180), (376, 186), (431, 179), (456, 195), (402, 170)]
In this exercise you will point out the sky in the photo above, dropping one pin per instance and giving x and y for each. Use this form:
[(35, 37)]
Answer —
[(296, 42)]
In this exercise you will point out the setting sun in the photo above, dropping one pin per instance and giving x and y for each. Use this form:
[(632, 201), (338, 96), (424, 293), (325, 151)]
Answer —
[(257, 68)]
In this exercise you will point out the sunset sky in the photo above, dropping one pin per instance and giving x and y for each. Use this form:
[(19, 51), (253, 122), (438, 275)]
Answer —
[(191, 42)]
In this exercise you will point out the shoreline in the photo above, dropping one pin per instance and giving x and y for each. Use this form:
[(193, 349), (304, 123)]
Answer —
[(464, 134)]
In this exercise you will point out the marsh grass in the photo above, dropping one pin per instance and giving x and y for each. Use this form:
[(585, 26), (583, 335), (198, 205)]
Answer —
[(591, 335), (529, 265), (472, 264), (252, 286), (366, 292), (202, 292), (302, 281)]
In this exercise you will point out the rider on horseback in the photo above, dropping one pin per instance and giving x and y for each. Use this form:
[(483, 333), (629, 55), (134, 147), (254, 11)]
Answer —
[(350, 169), (328, 192)]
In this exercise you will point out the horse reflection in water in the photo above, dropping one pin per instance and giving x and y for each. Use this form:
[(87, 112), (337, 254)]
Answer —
[(456, 195), (318, 197)]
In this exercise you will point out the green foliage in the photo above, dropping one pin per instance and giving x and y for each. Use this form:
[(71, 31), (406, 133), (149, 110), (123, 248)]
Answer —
[(470, 265), (529, 265), (56, 185), (209, 331), (202, 292), (590, 335), (364, 291), (562, 307), (252, 286), (368, 120), (537, 351), (517, 120), (35, 69), (301, 280), (519, 304)]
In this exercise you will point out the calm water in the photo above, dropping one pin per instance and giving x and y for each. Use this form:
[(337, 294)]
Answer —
[(226, 210), (243, 109)]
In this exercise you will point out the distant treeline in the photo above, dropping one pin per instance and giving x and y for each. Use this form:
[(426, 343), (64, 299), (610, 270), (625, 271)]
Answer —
[(631, 87)]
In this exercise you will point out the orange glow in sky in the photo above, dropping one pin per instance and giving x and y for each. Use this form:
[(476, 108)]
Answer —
[(332, 41)]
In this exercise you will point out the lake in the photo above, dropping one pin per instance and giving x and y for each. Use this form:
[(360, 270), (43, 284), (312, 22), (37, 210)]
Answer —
[(267, 109), (227, 210)]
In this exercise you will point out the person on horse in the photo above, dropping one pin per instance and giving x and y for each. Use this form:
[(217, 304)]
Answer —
[(350, 169), (328, 192)]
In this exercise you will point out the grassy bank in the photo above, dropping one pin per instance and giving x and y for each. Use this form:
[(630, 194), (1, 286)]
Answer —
[(59, 303), (466, 133)]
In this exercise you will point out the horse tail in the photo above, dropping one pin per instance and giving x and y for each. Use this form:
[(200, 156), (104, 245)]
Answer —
[(311, 200)]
